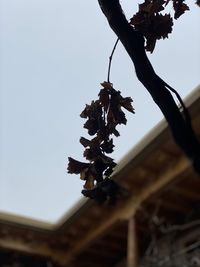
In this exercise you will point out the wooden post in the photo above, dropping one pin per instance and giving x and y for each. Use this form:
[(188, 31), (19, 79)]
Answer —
[(132, 245)]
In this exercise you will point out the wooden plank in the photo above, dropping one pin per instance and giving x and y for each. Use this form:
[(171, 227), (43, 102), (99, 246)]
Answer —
[(31, 248), (169, 175), (132, 244)]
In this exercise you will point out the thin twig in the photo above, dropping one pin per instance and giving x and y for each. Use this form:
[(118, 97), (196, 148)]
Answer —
[(181, 227), (179, 253), (110, 59), (185, 110)]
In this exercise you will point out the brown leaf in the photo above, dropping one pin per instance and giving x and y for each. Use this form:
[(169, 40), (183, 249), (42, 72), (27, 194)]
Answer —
[(84, 174), (116, 133), (161, 26), (75, 166), (92, 152), (89, 184), (84, 114), (107, 190), (179, 8), (115, 114), (107, 146), (104, 98), (151, 23), (85, 142), (152, 7), (92, 126), (96, 193), (126, 102), (107, 85), (95, 119)]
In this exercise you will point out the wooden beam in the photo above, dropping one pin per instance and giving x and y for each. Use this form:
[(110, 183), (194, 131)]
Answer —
[(31, 248), (132, 244), (127, 208), (171, 174), (188, 193)]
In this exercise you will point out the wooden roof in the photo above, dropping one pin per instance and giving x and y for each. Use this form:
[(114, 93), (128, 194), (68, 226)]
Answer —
[(155, 175)]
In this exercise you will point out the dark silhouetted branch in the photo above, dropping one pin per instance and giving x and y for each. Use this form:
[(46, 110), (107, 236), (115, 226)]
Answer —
[(133, 41)]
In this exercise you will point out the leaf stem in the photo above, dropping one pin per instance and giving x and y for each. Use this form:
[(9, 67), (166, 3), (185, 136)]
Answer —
[(110, 59)]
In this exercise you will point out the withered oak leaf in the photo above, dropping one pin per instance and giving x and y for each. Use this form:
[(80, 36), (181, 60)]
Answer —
[(92, 153), (152, 23), (104, 98), (91, 110), (107, 190), (115, 114), (75, 166), (95, 120), (152, 6), (107, 146), (179, 8), (85, 142), (107, 85), (89, 184), (126, 102), (92, 126)]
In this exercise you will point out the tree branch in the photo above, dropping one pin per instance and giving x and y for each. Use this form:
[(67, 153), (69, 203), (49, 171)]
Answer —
[(133, 42)]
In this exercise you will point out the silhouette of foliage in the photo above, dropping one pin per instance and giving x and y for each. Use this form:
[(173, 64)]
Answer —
[(102, 117), (151, 21)]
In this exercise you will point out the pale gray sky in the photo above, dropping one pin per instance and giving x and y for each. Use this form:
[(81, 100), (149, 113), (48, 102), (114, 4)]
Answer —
[(54, 54)]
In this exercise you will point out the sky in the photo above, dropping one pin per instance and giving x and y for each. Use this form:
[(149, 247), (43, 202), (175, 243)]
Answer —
[(54, 55)]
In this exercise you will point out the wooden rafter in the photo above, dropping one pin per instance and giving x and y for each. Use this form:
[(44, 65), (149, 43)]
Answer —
[(31, 247), (132, 244)]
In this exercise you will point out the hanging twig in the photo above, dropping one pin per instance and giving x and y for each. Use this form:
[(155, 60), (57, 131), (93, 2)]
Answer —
[(110, 59)]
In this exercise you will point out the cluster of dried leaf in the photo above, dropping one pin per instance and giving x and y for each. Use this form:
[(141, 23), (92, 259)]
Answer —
[(103, 116), (154, 25)]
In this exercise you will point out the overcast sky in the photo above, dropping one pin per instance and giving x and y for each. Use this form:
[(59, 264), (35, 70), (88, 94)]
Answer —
[(54, 55)]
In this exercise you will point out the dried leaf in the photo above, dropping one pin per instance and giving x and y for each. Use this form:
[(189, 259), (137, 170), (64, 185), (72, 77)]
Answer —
[(107, 190), (126, 102), (75, 166), (179, 8), (104, 98), (84, 174), (107, 146), (89, 184), (96, 194), (107, 85), (92, 126), (116, 133), (85, 142), (95, 119), (92, 153), (151, 23), (152, 7), (85, 113)]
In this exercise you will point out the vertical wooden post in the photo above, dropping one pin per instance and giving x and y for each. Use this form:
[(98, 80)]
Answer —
[(132, 245)]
